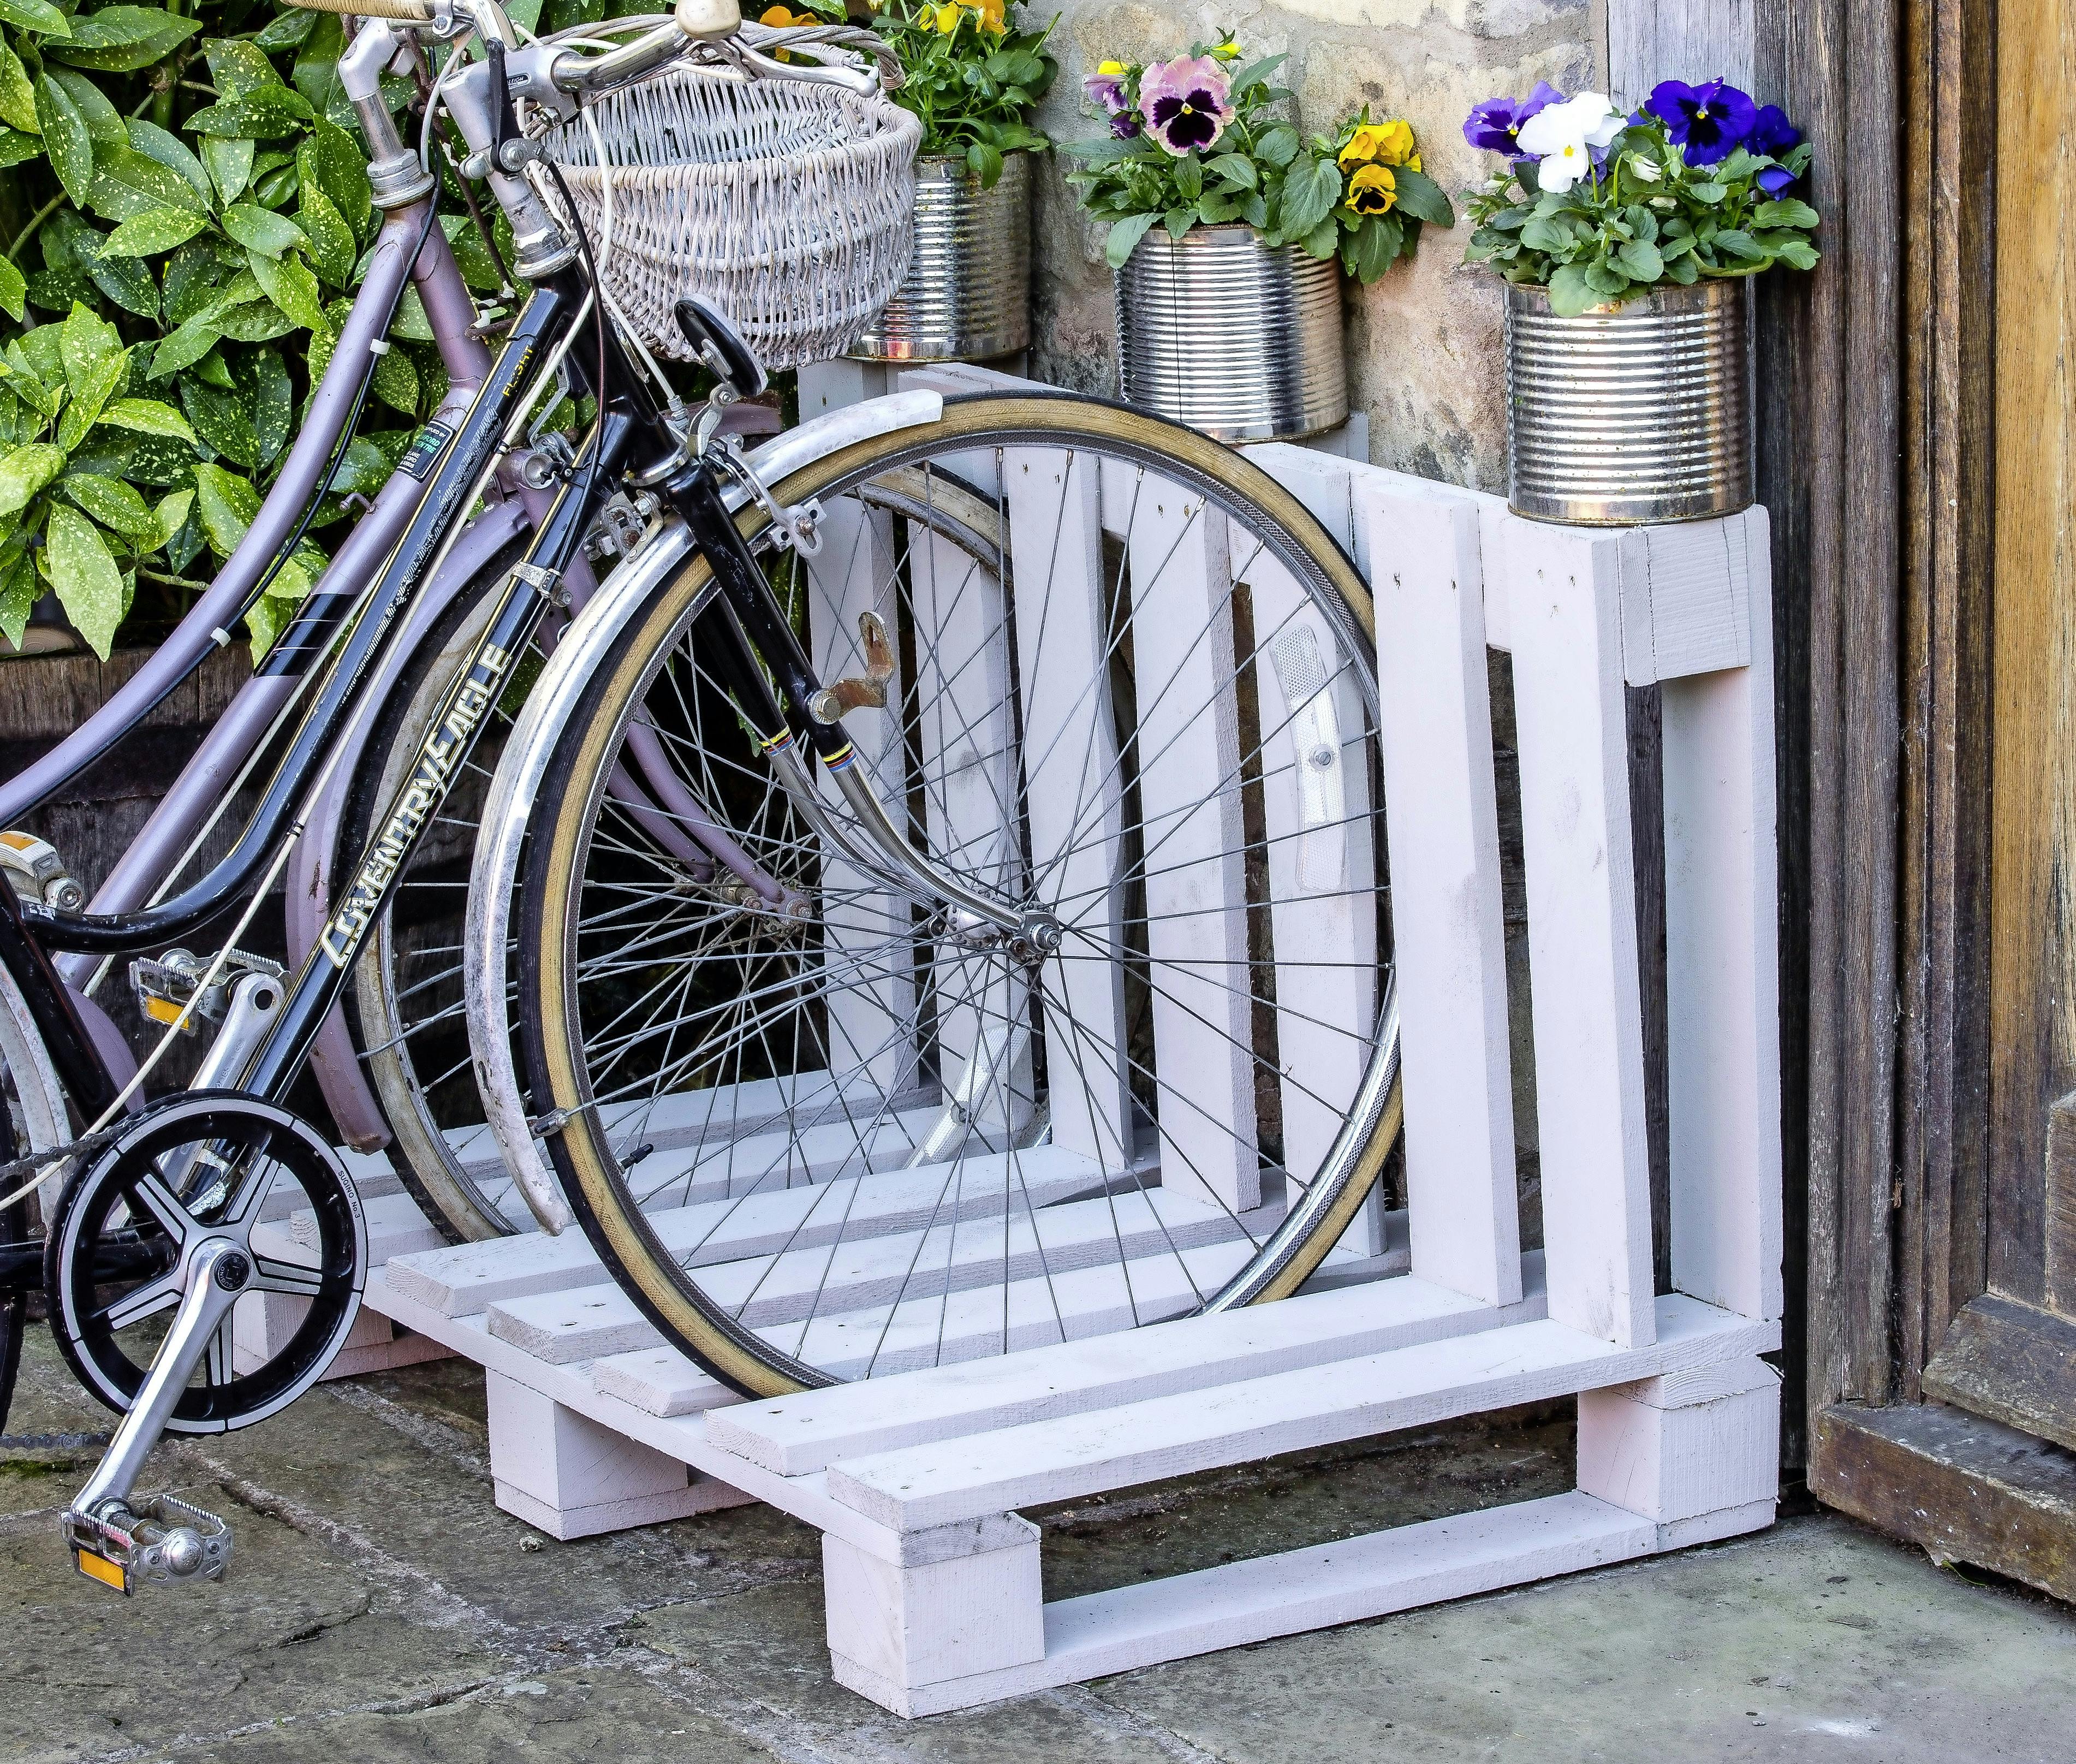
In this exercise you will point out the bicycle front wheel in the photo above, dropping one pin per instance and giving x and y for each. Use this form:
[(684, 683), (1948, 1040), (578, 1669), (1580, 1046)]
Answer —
[(821, 1126)]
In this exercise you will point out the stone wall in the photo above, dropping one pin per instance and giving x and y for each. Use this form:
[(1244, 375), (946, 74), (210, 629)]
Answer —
[(1424, 342)]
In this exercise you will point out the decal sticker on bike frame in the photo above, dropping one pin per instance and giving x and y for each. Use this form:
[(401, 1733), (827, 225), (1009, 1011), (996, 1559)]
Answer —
[(432, 440), (427, 789)]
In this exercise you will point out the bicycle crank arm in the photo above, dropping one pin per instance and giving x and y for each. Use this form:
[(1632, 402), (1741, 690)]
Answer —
[(112, 1541)]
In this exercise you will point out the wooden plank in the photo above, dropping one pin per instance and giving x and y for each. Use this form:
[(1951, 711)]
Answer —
[(464, 1279), (2032, 955), (1650, 40), (1687, 595), (1722, 974), (972, 1321), (2012, 1362), (1966, 1489), (1312, 735), (2061, 1280), (1448, 924), (1074, 799), (1194, 864), (861, 1138), (870, 1001), (660, 1381), (794, 1435), (769, 1290), (1243, 1602), (1569, 713), (970, 816), (1289, 1411)]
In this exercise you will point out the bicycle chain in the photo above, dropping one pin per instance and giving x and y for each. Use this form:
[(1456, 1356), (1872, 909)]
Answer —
[(37, 1164)]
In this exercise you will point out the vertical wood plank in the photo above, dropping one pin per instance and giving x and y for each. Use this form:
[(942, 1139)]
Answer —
[(872, 992), (962, 677), (1569, 709), (1650, 40), (1321, 859), (1074, 798), (1721, 971), (1190, 813), (1448, 929)]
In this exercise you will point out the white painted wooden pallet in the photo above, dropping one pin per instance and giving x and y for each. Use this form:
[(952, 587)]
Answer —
[(932, 1585)]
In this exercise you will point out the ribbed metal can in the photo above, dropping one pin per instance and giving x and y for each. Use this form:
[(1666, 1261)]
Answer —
[(1216, 331), (1631, 413), (967, 294)]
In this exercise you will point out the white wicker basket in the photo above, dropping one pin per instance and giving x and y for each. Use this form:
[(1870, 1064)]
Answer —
[(788, 204)]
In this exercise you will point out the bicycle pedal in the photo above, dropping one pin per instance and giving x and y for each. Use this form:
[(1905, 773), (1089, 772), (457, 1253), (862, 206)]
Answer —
[(164, 986), (159, 1541), (38, 873)]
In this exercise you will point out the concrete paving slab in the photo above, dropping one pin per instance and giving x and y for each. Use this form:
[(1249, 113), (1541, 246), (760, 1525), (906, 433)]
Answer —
[(381, 1608)]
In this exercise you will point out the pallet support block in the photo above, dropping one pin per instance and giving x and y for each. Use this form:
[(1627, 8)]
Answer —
[(564, 1474), (928, 1606), (1698, 1455)]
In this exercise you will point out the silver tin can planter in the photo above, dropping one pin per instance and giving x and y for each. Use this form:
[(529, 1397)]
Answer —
[(967, 295), (1243, 342), (1631, 414)]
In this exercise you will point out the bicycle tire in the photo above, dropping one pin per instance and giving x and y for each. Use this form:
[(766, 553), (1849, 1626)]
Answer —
[(614, 1207)]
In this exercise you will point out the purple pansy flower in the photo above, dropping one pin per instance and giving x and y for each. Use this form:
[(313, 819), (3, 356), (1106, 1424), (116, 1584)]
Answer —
[(1708, 121), (1186, 102), (1774, 136), (1495, 125), (1107, 89), (1771, 133)]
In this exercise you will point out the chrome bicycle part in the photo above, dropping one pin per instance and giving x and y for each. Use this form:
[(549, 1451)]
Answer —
[(156, 1541)]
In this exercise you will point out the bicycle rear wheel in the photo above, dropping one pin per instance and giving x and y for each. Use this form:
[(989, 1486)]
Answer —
[(821, 1128)]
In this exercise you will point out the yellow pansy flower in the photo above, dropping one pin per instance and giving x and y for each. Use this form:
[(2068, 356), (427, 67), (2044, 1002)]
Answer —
[(992, 14), (947, 20), (1395, 144), (1363, 146), (1372, 190)]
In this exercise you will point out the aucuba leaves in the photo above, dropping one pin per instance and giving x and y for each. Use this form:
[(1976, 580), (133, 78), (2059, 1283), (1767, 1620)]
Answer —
[(190, 217)]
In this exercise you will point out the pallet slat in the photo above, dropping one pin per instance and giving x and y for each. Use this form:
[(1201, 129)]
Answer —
[(872, 997), (1074, 796), (1448, 924), (1291, 1411), (1187, 748), (795, 1435), (470, 1277), (768, 1291)]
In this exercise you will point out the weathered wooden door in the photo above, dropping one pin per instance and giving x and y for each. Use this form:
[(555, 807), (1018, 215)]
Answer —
[(2010, 1353)]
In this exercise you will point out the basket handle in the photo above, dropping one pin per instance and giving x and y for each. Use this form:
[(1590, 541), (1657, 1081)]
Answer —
[(750, 45), (410, 11)]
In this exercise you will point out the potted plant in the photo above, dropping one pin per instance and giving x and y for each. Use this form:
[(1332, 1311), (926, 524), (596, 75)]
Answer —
[(1230, 232), (1627, 245), (974, 81)]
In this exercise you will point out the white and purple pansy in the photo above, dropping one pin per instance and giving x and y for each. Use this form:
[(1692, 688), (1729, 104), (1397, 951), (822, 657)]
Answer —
[(1187, 102)]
